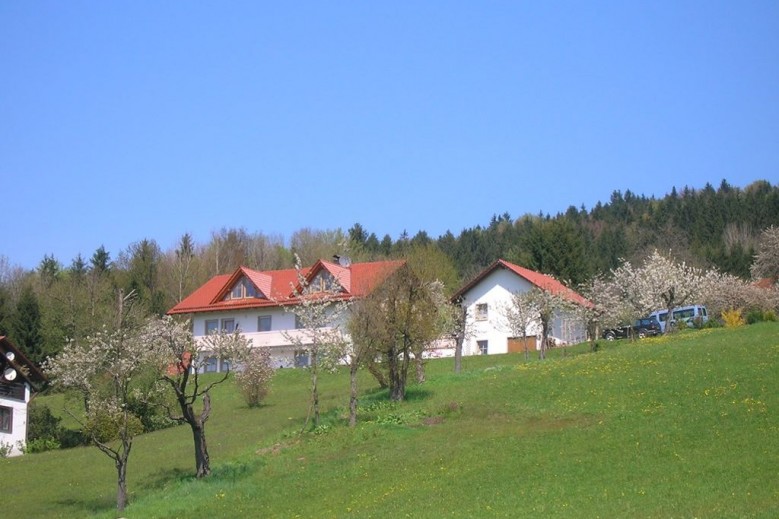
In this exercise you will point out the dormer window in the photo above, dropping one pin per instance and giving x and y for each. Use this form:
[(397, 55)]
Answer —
[(323, 282), (243, 289)]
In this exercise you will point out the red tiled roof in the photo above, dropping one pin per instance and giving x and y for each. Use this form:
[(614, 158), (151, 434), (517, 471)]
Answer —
[(542, 281), (278, 286), (766, 283)]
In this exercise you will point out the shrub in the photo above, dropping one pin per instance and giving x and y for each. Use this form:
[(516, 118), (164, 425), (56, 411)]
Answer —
[(757, 316), (254, 379), (152, 417), (5, 449), (733, 318), (41, 445), (42, 424)]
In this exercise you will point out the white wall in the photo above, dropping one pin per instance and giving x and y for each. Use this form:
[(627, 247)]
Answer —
[(246, 320), (19, 426), (282, 353)]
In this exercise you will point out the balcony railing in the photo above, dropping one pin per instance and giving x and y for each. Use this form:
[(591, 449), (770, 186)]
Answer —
[(274, 338)]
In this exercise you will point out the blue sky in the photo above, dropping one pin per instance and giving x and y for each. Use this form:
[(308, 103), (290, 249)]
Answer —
[(128, 120)]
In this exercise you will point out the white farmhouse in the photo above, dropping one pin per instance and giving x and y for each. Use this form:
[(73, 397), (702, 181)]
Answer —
[(487, 295), (257, 303), (19, 378)]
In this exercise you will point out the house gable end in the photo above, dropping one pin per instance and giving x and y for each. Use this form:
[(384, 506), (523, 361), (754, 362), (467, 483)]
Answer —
[(19, 367)]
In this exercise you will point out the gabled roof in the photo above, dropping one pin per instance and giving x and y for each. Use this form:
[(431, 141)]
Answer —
[(262, 281), (542, 281), (341, 274), (278, 286), (12, 357)]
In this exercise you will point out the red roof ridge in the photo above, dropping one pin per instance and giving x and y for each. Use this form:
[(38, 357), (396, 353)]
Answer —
[(278, 286)]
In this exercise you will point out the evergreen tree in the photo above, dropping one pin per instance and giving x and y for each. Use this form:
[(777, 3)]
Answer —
[(100, 261), (26, 326), (5, 311), (49, 270)]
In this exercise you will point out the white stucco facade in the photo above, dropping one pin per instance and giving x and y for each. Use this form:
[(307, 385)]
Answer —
[(16, 437), (250, 322)]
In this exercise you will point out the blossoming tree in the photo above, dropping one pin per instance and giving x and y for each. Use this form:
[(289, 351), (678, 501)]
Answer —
[(184, 361)]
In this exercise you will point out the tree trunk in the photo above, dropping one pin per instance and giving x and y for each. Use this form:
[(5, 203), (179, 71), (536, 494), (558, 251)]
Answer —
[(314, 388), (544, 335), (398, 369), (353, 394), (121, 491), (374, 370), (524, 340), (670, 302), (198, 426), (420, 365), (202, 463), (394, 374), (398, 390), (458, 345)]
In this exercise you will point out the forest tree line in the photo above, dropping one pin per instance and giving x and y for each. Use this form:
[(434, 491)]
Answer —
[(40, 309)]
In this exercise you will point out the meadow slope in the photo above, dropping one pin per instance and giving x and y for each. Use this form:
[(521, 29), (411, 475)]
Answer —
[(686, 426)]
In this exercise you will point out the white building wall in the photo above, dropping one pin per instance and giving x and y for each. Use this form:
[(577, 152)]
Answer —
[(18, 436), (247, 321)]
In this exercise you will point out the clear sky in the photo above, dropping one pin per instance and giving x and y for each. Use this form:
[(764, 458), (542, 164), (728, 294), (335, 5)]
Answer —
[(128, 120)]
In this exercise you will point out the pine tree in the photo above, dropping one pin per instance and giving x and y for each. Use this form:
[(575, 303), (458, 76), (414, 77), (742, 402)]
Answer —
[(26, 326)]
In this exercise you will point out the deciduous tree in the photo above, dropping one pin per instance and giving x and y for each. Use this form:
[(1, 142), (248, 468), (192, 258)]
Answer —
[(660, 282), (255, 375), (185, 361), (104, 370), (319, 308), (518, 314), (404, 317), (766, 264), (26, 326)]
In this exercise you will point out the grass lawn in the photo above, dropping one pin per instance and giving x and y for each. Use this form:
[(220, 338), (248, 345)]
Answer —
[(686, 426)]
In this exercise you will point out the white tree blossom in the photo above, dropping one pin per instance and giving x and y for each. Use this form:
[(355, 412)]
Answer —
[(183, 360), (319, 309), (660, 282), (766, 264), (104, 371), (255, 375), (518, 315)]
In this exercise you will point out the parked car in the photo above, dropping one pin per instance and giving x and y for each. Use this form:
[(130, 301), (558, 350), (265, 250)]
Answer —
[(646, 327), (689, 315)]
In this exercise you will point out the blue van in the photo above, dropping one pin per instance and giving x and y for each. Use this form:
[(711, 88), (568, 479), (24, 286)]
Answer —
[(689, 315)]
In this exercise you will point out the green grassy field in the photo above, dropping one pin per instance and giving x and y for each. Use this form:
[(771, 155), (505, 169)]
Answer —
[(686, 426)]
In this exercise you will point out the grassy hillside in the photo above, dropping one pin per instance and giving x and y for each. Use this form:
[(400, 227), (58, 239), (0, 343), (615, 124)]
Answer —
[(670, 427)]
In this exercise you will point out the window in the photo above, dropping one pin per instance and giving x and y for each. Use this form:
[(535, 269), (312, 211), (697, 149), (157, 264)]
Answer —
[(263, 323), (212, 325), (301, 358), (481, 312), (242, 289), (482, 347), (298, 322), (249, 290), (323, 282), (228, 325), (6, 419), (211, 364), (225, 365)]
